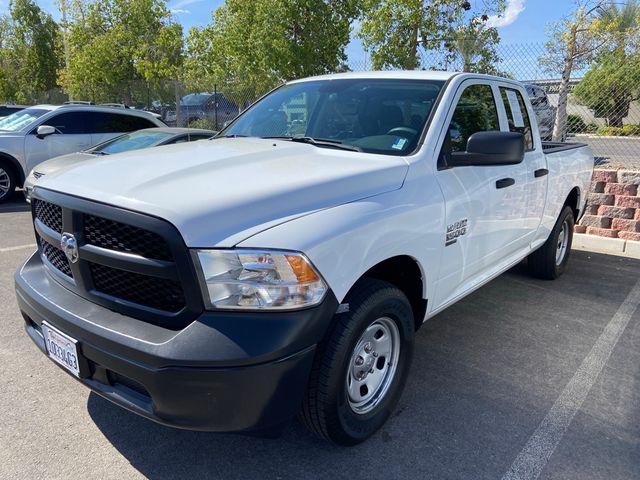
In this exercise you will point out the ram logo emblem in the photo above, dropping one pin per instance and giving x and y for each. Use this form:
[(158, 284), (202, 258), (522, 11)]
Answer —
[(69, 246)]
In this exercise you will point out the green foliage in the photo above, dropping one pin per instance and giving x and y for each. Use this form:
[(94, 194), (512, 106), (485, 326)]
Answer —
[(253, 45), (29, 52), (119, 49), (609, 87), (613, 80), (575, 124), (631, 130), (395, 30), (204, 123)]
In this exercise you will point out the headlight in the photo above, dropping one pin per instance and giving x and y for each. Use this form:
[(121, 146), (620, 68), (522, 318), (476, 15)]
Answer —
[(256, 280)]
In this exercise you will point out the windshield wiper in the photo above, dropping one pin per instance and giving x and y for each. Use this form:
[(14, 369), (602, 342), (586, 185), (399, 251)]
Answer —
[(98, 152), (233, 135), (319, 142)]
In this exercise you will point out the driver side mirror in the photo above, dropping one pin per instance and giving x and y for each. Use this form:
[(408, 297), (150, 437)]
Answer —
[(45, 130), (490, 148)]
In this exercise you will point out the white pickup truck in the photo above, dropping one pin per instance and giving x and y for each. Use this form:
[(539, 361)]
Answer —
[(284, 266)]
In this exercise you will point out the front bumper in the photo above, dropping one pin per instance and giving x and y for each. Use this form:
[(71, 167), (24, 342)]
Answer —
[(226, 371)]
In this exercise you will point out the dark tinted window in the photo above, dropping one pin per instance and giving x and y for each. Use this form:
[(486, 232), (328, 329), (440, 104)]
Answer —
[(71, 122), (476, 112), (118, 123), (6, 111), (189, 138), (517, 115)]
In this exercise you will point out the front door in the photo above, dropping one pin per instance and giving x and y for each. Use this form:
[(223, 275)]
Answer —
[(71, 136), (484, 204)]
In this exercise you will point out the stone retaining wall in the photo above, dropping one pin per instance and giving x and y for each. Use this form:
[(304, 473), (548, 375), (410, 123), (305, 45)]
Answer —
[(613, 205)]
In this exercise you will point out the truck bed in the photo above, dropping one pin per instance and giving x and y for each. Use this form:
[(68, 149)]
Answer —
[(551, 147)]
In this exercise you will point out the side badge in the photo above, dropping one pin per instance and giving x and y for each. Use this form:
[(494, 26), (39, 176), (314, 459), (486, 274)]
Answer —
[(454, 231)]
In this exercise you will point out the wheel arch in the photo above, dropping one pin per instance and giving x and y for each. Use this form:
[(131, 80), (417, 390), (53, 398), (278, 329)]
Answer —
[(15, 165), (406, 273), (573, 200)]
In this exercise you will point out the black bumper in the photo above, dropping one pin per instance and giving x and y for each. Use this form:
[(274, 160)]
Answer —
[(223, 372)]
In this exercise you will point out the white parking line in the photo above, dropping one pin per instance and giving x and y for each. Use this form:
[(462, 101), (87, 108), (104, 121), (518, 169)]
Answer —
[(19, 247), (536, 453)]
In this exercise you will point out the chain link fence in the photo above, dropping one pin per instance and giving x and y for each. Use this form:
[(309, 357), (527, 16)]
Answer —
[(602, 102)]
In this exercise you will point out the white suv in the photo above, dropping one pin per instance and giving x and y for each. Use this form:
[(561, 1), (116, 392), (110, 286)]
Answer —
[(38, 133)]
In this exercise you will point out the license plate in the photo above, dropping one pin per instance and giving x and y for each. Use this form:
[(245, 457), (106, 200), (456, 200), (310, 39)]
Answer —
[(61, 348)]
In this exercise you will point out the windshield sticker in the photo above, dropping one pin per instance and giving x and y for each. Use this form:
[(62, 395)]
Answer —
[(398, 143), (518, 121)]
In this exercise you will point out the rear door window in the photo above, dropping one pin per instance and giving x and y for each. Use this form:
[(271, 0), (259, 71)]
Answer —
[(517, 115)]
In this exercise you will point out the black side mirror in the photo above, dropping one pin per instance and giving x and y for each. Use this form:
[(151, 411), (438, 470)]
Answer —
[(490, 148)]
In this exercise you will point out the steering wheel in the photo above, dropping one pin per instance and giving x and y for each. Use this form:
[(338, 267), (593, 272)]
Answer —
[(408, 131)]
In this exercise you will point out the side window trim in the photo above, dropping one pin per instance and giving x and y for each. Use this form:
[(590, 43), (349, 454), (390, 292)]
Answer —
[(535, 134), (502, 116)]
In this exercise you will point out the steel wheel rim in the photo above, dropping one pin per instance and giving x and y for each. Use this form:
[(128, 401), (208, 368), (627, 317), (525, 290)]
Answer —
[(5, 183), (373, 365), (562, 243)]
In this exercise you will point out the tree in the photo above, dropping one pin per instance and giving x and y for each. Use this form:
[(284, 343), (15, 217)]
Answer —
[(29, 43), (253, 45), (472, 48), (117, 48), (610, 86), (572, 45), (613, 81), (395, 30)]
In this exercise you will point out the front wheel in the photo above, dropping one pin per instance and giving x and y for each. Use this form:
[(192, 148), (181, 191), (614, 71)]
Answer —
[(7, 182), (361, 365), (550, 260)]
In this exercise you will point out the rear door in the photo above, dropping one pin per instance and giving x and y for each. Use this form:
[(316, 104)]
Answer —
[(519, 118), (72, 135), (484, 205)]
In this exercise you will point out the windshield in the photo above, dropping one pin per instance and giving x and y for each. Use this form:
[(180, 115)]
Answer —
[(195, 99), (131, 141), (21, 119), (372, 115)]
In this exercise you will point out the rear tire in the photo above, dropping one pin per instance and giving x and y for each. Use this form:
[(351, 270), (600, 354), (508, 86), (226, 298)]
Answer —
[(550, 260), (361, 365), (7, 181)]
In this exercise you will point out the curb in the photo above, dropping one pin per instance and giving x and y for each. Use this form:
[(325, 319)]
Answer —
[(611, 246)]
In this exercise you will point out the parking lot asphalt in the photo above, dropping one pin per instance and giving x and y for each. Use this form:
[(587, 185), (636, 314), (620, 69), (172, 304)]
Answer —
[(613, 152), (523, 377)]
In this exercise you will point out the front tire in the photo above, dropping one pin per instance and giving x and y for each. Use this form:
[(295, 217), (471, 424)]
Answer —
[(550, 260), (7, 182), (361, 365)]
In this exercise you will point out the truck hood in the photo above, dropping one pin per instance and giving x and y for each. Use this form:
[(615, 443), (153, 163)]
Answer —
[(220, 192), (50, 166)]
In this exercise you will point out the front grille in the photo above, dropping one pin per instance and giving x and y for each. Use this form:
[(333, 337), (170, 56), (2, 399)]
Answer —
[(156, 283), (158, 293), (56, 257), (49, 214), (121, 237)]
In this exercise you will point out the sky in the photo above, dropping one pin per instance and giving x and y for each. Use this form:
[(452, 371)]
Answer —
[(523, 22)]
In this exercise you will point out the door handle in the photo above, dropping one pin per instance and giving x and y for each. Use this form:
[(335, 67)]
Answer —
[(541, 172), (505, 182)]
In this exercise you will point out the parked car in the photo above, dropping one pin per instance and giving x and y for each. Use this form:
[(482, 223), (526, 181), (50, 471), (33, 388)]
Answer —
[(227, 285), (6, 110), (545, 112), (36, 134), (217, 109), (147, 138)]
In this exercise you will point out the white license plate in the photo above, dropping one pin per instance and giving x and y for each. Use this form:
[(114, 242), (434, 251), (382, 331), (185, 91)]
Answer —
[(61, 348)]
